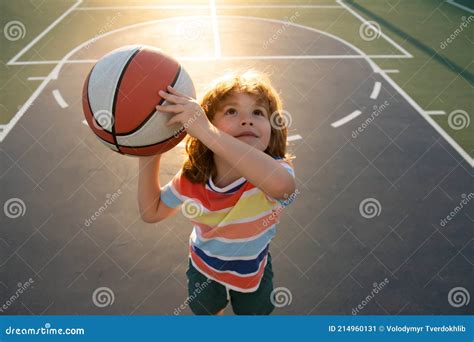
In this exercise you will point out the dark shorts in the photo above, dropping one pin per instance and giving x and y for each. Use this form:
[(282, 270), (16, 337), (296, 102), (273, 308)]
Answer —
[(208, 297)]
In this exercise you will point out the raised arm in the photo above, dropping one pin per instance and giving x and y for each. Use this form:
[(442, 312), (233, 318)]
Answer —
[(151, 208)]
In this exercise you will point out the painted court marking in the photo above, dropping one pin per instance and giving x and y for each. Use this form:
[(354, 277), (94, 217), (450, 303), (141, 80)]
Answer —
[(42, 34), (59, 99), (454, 3), (376, 90), (435, 112), (54, 73), (346, 119), (366, 22)]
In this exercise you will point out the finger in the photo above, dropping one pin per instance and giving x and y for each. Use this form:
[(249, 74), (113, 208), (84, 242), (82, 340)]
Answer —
[(173, 120), (170, 108), (174, 91), (171, 98)]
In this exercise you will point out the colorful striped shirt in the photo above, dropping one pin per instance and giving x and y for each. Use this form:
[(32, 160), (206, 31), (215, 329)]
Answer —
[(232, 227)]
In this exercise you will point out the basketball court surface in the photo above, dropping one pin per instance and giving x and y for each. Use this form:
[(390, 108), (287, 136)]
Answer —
[(378, 98)]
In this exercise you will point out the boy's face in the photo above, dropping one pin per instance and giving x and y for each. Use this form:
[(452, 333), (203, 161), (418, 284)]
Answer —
[(246, 118)]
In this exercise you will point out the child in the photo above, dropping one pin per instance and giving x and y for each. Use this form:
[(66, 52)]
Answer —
[(233, 185)]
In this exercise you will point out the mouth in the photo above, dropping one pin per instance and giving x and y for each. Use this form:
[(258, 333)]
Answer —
[(247, 134)]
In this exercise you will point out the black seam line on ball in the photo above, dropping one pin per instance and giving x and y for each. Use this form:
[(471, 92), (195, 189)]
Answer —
[(157, 143), (154, 110), (117, 87)]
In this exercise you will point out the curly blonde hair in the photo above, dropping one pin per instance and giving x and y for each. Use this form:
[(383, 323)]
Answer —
[(199, 165)]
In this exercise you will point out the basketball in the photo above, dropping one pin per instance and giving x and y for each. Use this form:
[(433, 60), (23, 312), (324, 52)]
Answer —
[(119, 98)]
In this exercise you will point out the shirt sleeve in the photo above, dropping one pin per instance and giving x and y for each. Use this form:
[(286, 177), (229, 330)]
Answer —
[(291, 197), (171, 192)]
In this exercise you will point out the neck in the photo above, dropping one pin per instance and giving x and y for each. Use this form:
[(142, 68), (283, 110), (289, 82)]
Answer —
[(225, 173)]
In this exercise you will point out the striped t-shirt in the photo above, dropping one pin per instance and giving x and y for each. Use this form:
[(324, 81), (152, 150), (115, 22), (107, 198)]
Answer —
[(232, 227)]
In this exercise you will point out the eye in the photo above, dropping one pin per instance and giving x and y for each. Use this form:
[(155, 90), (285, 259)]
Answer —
[(258, 112), (231, 111)]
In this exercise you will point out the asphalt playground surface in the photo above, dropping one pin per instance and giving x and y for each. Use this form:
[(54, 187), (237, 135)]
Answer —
[(326, 252)]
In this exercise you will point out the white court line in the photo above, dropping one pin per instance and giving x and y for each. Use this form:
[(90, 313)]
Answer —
[(376, 90), (54, 74), (59, 99), (101, 8), (387, 38), (346, 119), (36, 78), (49, 28), (433, 123), (228, 58), (391, 71), (454, 3), (215, 29), (435, 112)]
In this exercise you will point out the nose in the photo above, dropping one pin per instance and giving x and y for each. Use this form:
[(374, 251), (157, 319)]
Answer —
[(247, 120)]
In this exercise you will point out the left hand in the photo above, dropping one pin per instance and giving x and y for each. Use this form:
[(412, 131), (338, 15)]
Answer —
[(187, 111)]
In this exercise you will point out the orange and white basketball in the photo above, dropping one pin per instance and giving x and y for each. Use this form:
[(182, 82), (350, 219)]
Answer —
[(120, 95)]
